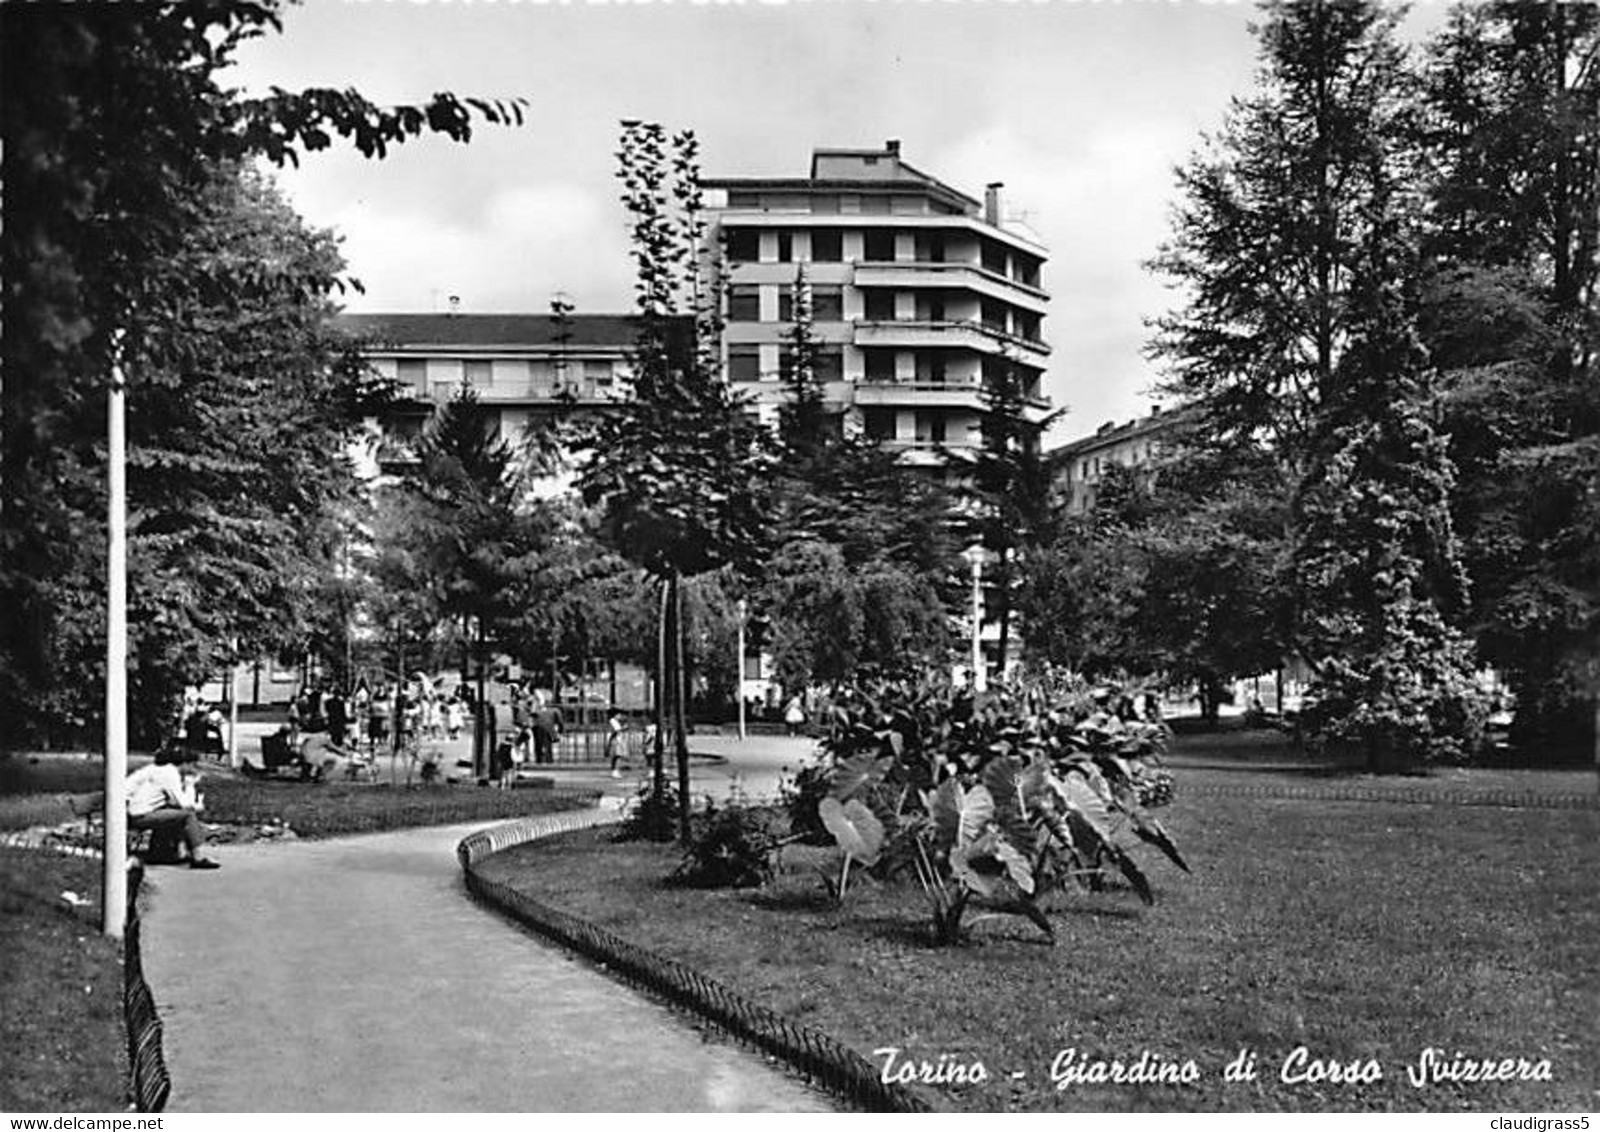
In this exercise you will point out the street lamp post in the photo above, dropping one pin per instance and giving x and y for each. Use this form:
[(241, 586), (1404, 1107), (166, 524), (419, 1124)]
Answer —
[(738, 684), (114, 895)]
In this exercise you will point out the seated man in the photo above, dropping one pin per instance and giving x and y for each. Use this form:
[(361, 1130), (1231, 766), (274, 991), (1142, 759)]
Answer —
[(162, 799)]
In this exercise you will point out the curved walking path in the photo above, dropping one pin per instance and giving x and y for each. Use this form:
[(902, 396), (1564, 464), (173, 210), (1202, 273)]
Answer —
[(357, 975)]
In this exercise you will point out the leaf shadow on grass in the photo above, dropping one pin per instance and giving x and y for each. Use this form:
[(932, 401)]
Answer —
[(792, 900)]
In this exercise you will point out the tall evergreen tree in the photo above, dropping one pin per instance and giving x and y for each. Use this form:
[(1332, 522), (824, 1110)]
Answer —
[(1376, 551), (1513, 125), (1009, 490), (1290, 246), (1272, 220)]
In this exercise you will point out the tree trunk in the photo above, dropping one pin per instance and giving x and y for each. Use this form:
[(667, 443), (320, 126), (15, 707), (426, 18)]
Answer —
[(680, 731), (1597, 738), (482, 744), (658, 772)]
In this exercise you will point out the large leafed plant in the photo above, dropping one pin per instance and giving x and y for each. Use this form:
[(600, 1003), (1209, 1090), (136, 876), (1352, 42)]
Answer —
[(993, 801)]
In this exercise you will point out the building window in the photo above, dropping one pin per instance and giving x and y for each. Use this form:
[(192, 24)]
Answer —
[(597, 374), (994, 258), (931, 368), (879, 244), (744, 245), (827, 246), (744, 303), (878, 424), (829, 365), (825, 203), (413, 374), (744, 362), (827, 304), (785, 247), (879, 365), (785, 303), (930, 428), (539, 375), (930, 308), (930, 248), (477, 373), (879, 306)]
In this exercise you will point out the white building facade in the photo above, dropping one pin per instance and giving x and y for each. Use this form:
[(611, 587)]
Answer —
[(919, 295)]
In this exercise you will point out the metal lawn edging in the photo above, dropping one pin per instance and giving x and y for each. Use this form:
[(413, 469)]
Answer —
[(151, 1084), (823, 1059)]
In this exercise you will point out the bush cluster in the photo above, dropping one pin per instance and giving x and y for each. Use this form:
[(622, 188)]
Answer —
[(990, 800)]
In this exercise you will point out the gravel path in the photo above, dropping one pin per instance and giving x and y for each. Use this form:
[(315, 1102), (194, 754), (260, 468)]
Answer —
[(356, 975)]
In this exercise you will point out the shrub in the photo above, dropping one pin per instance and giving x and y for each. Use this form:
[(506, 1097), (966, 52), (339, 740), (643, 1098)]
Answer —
[(994, 799), (800, 798), (730, 846), (650, 816)]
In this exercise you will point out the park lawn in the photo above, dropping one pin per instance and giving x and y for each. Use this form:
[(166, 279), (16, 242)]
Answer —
[(336, 808), (34, 791), (62, 1042), (1359, 930)]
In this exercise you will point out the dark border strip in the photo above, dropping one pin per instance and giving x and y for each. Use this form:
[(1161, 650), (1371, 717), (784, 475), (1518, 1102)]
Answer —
[(147, 1064), (1515, 799), (826, 1061)]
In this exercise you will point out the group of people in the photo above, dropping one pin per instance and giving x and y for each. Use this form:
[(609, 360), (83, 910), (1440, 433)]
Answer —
[(371, 717), (537, 724)]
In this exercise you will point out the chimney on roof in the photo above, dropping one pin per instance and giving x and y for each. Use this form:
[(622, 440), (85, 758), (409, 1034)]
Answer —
[(991, 203), (893, 146), (455, 304)]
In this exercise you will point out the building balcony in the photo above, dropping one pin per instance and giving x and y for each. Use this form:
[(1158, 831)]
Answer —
[(933, 221), (504, 394), (920, 453), (964, 276), (971, 334), (919, 394)]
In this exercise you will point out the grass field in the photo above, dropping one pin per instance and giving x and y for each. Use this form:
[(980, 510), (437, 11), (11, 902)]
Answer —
[(34, 791), (1360, 931), (62, 1042)]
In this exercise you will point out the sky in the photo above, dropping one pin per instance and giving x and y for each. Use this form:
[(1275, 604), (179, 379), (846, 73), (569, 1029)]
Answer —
[(1083, 110)]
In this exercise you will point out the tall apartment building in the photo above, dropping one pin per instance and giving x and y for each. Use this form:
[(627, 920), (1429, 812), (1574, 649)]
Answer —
[(919, 292)]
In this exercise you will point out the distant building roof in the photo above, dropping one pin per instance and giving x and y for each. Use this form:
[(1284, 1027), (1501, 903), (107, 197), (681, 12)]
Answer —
[(483, 331), (1111, 433), (849, 169)]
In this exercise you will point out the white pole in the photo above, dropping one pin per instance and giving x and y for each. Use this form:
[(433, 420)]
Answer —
[(739, 684), (233, 708), (980, 674), (114, 897)]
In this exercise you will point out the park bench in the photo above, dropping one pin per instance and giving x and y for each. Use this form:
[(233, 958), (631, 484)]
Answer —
[(92, 809)]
